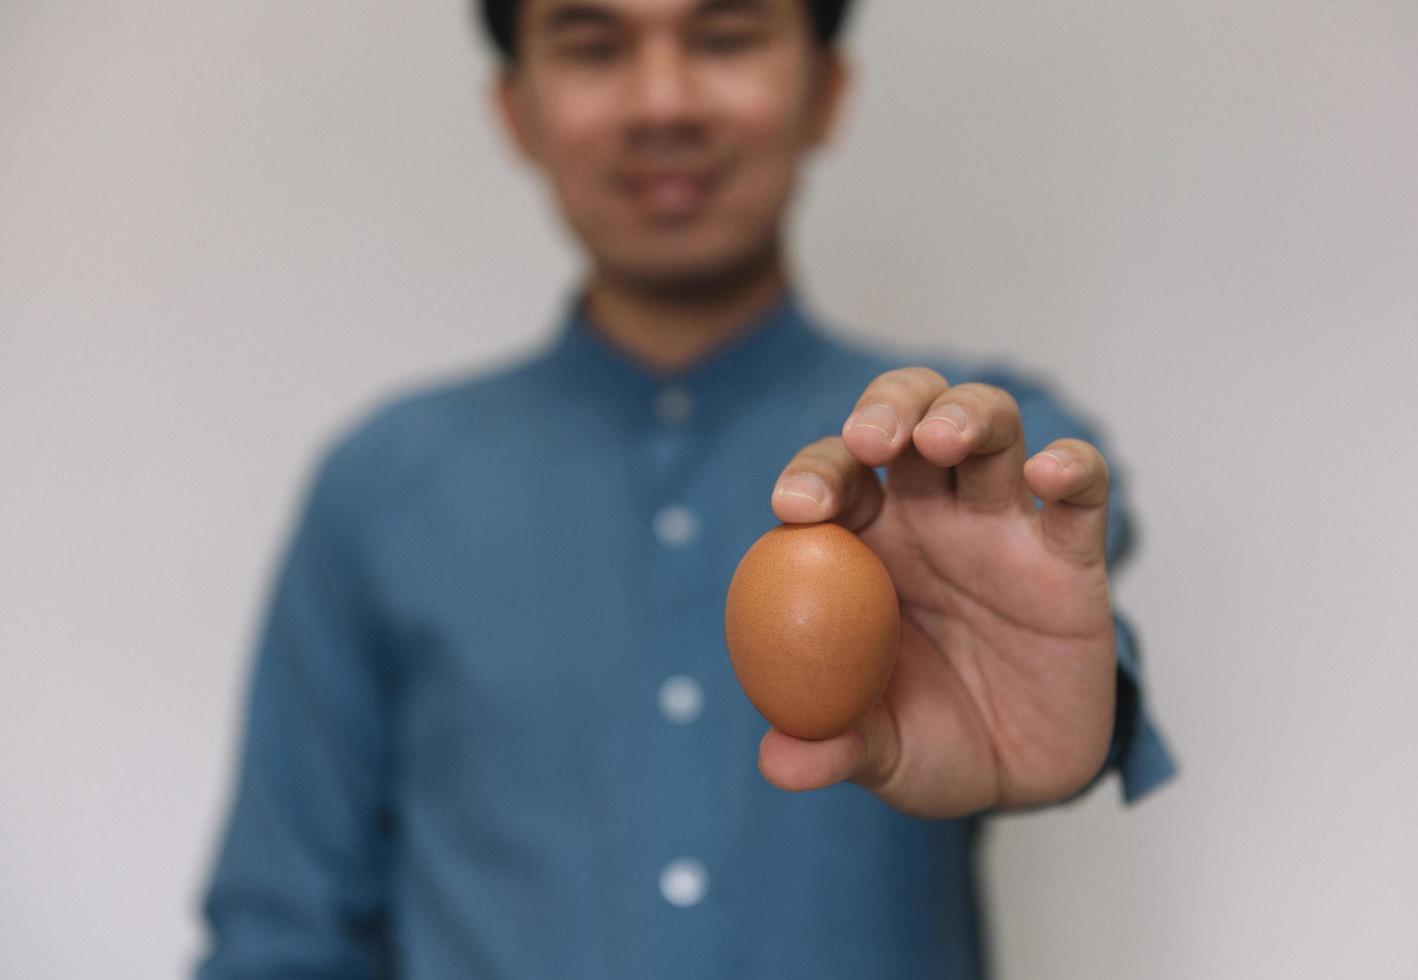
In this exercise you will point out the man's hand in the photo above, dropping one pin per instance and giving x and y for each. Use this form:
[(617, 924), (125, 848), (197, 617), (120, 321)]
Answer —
[(1003, 692)]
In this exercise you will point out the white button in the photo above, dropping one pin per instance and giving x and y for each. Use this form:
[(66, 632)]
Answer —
[(684, 882), (676, 526), (674, 405), (681, 699)]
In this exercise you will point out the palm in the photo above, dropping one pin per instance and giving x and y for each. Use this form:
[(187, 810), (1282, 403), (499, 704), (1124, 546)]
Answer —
[(1003, 644)]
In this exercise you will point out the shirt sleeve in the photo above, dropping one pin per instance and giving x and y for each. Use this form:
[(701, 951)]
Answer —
[(1138, 752), (298, 886)]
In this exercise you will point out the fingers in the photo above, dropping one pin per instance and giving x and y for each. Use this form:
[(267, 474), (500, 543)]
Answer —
[(826, 482), (878, 432), (1071, 477), (880, 425), (913, 422), (966, 440), (976, 428)]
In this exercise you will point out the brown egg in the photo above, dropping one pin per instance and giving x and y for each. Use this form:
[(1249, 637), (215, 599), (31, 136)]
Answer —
[(812, 623)]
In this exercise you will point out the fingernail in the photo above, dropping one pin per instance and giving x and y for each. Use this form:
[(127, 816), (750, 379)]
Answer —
[(953, 414), (881, 417), (1061, 456), (808, 485)]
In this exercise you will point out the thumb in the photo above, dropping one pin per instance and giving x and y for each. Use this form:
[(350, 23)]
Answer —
[(864, 754), (796, 764)]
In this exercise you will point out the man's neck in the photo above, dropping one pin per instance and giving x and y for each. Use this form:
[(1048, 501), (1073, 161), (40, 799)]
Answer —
[(669, 330)]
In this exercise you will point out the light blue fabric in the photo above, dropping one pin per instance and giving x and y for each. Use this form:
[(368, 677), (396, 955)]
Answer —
[(457, 763)]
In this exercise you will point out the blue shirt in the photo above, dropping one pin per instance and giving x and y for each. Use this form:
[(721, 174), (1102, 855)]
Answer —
[(493, 730)]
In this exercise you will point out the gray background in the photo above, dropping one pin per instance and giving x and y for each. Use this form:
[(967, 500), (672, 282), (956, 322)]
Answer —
[(226, 228)]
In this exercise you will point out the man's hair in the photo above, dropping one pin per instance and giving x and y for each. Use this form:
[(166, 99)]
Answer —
[(499, 19)]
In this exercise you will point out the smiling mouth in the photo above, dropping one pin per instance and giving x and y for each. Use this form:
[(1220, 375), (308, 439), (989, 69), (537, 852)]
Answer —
[(670, 195)]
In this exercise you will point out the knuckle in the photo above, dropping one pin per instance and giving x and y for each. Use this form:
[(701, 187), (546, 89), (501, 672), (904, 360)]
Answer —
[(830, 452), (813, 465), (822, 447), (826, 467), (923, 377), (1094, 465), (995, 399), (956, 397), (892, 390), (805, 468), (903, 384)]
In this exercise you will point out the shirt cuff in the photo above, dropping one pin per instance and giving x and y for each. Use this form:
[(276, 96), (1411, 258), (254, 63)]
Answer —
[(1138, 752)]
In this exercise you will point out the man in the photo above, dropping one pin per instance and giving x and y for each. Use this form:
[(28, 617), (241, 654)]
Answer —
[(493, 729)]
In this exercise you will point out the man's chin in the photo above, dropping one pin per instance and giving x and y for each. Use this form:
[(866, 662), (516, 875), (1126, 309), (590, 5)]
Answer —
[(688, 277)]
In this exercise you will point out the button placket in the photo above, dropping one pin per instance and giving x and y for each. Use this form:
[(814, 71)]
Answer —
[(684, 881)]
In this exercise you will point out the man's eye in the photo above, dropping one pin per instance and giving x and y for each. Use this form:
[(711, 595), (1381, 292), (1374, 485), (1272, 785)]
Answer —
[(591, 52), (724, 42)]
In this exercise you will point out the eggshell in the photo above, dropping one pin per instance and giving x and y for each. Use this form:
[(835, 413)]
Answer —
[(812, 623)]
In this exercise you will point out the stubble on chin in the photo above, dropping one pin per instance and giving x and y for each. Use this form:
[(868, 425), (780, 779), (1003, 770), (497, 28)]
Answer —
[(696, 283)]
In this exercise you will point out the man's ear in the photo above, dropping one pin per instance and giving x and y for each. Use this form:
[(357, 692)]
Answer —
[(508, 102), (830, 86)]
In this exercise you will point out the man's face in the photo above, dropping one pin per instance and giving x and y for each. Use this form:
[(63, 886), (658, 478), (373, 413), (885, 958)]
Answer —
[(671, 130)]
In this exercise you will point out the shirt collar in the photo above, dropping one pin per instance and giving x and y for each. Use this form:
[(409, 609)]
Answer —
[(776, 342)]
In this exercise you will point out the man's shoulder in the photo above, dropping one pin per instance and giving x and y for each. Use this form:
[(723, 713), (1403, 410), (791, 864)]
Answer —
[(399, 436)]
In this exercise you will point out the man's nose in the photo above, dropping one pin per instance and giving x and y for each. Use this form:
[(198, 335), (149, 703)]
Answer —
[(663, 84)]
